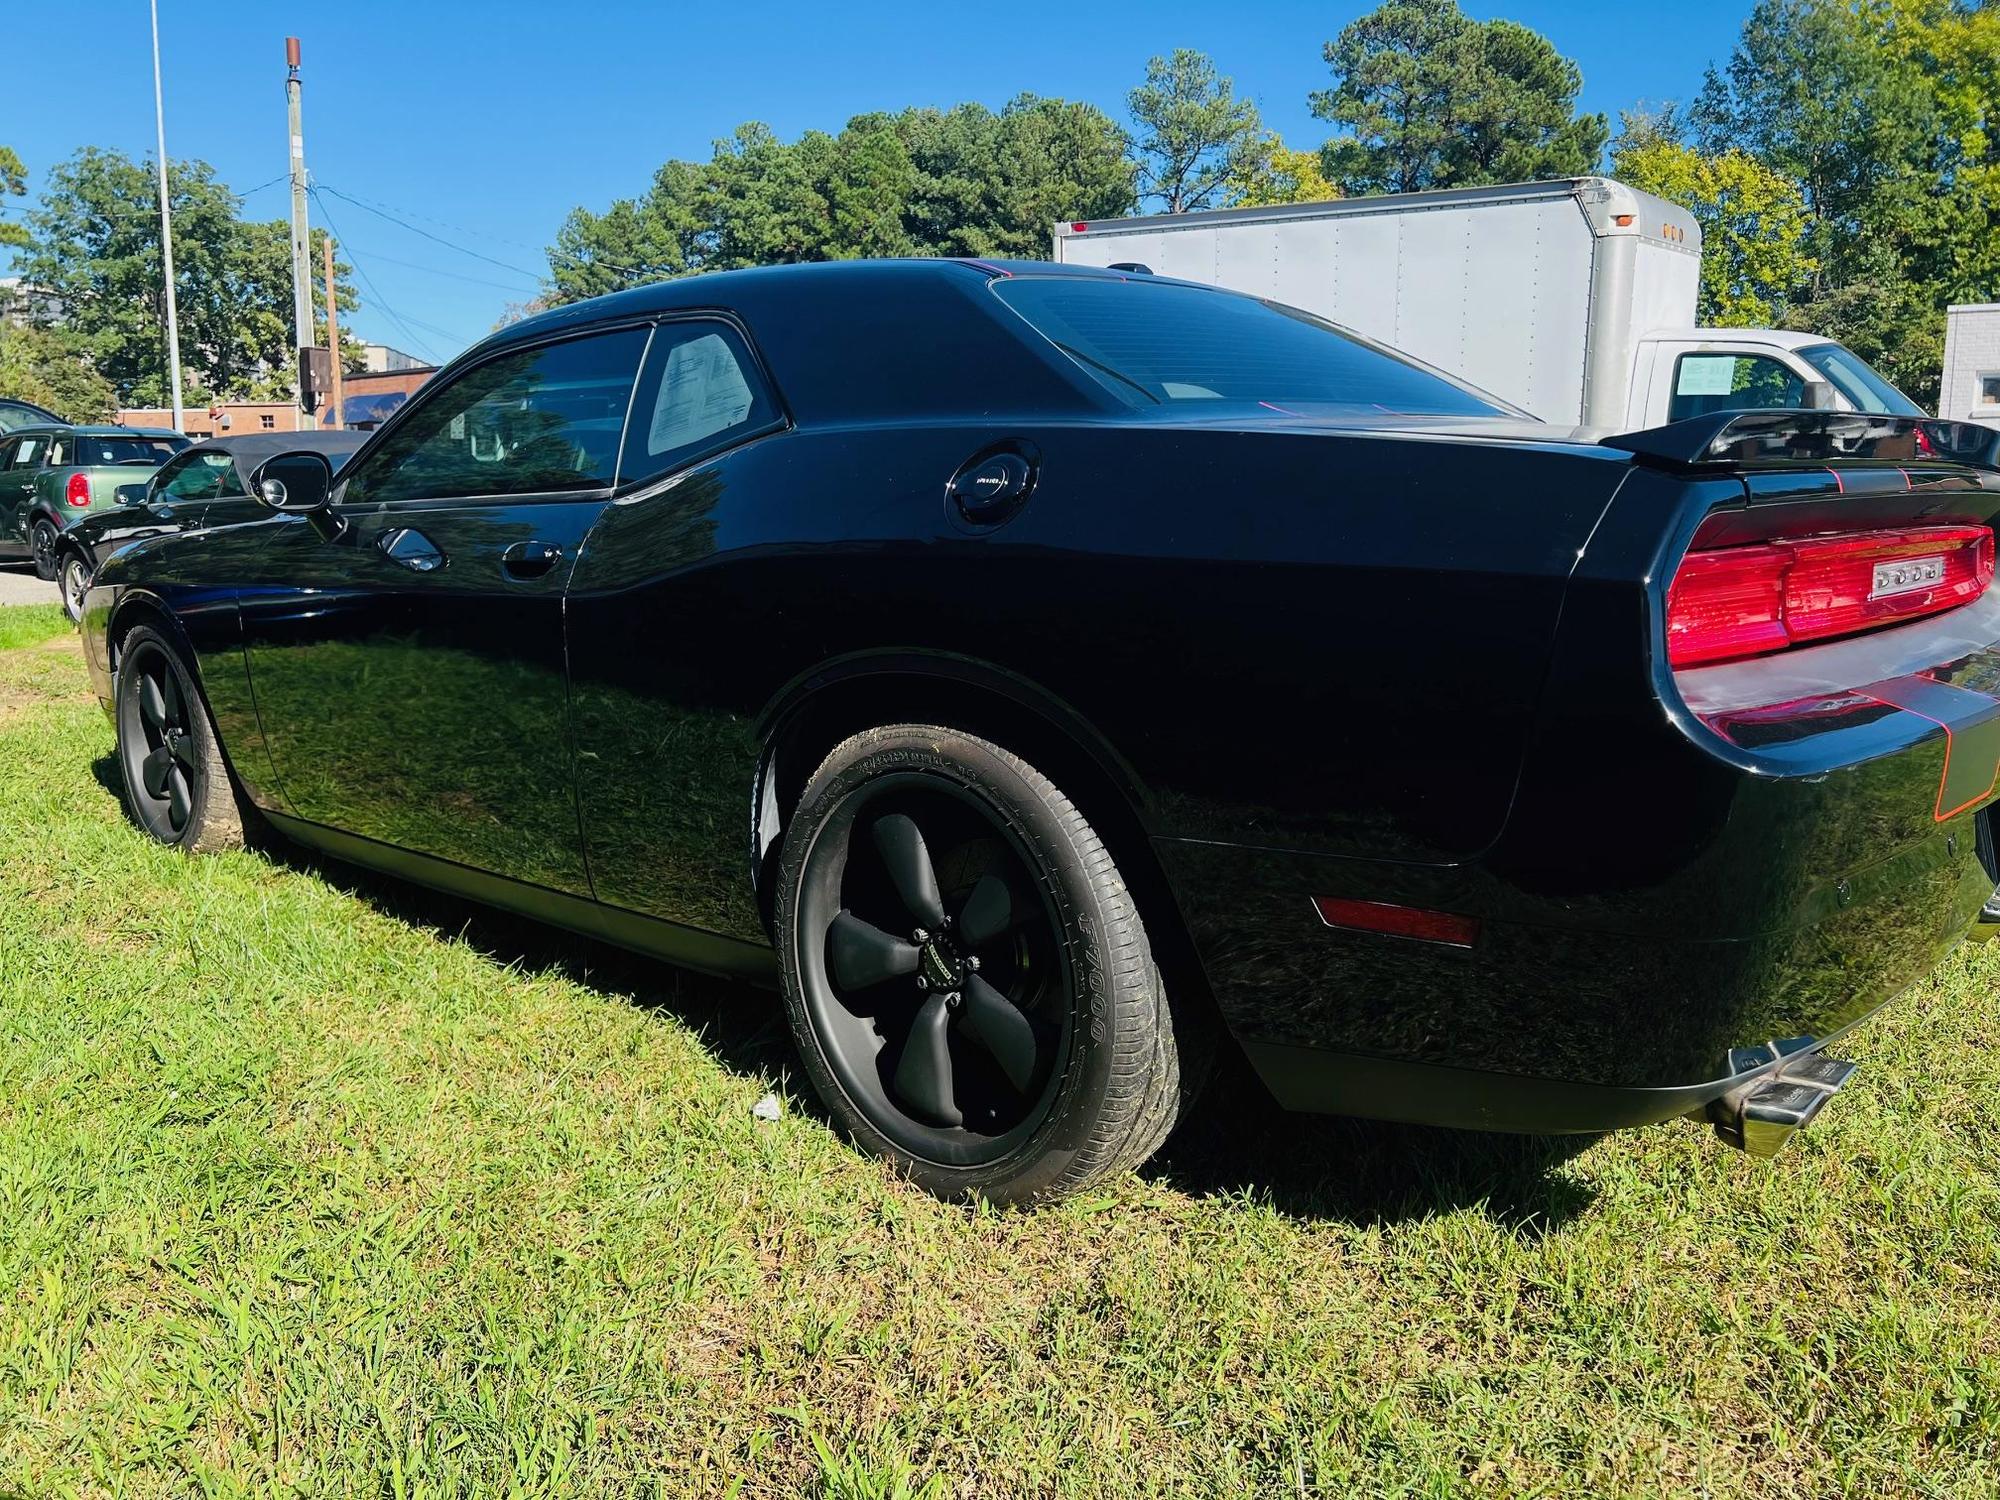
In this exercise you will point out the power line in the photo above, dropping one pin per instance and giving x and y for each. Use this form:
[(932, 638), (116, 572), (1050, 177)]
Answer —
[(377, 255), (436, 238), (382, 211), (369, 282)]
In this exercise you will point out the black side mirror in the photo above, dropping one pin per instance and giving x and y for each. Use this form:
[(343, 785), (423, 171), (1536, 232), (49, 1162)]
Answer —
[(299, 484), (130, 494)]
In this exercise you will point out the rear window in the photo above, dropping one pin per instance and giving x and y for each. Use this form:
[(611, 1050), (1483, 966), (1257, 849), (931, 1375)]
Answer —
[(109, 452), (1156, 342)]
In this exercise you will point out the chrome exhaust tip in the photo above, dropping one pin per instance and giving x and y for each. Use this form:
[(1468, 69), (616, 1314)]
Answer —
[(1767, 1112), (1987, 927)]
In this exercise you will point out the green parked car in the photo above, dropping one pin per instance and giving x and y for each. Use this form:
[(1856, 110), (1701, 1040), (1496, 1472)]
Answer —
[(51, 475)]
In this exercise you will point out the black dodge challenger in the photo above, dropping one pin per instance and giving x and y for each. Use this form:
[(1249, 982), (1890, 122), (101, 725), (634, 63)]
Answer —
[(1051, 677)]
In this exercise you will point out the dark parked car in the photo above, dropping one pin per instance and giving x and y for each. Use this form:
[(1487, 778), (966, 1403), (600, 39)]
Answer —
[(203, 485), (1043, 675), (15, 412)]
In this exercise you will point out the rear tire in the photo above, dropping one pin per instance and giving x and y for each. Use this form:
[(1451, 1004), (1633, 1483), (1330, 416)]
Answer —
[(177, 784), (966, 975), (42, 547), (73, 580)]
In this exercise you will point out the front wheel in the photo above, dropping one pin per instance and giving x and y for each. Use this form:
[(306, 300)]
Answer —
[(73, 578), (967, 977), (176, 782), (42, 547)]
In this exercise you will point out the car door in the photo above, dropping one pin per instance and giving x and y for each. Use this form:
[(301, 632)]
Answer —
[(409, 671), (7, 446), (17, 483), (182, 494)]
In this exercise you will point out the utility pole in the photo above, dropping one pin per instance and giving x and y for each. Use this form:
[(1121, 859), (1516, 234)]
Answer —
[(335, 418), (167, 230), (302, 314)]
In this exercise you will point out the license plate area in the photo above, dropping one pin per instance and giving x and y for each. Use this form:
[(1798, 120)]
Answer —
[(1905, 575)]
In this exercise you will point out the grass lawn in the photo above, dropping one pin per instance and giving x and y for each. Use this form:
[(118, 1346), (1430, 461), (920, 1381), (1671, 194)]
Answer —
[(310, 1183)]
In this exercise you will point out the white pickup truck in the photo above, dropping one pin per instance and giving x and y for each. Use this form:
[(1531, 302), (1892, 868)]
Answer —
[(1572, 299)]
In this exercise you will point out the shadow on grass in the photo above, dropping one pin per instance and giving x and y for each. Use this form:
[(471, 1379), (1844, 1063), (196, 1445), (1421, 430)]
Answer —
[(1236, 1144)]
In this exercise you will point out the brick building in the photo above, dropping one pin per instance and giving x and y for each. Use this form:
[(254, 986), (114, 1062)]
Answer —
[(367, 399), (225, 419)]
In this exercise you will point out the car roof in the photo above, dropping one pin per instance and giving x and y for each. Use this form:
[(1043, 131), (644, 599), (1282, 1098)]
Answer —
[(269, 444), (728, 288), (93, 429)]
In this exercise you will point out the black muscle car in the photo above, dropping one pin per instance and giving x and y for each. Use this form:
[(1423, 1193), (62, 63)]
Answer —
[(1049, 676), (205, 484)]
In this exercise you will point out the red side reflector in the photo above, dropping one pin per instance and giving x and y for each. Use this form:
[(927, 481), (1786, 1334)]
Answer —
[(1745, 601), (1078, 228), (77, 491), (1397, 921)]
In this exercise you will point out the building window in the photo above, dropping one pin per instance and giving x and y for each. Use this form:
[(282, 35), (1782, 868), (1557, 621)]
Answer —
[(267, 421), (1989, 390)]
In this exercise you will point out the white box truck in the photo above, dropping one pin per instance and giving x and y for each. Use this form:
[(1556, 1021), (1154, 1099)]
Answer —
[(1572, 299)]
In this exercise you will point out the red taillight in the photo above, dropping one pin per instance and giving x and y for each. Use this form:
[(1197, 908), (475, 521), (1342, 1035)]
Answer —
[(1744, 601), (77, 491)]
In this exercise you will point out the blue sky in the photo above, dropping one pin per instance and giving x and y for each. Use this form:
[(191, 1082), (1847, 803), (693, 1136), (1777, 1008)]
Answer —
[(484, 124)]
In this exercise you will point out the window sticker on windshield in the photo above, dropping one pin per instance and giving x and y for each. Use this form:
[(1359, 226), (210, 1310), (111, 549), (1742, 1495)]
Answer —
[(1707, 375), (702, 393)]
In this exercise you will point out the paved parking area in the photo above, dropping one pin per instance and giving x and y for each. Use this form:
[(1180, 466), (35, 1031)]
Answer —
[(19, 585)]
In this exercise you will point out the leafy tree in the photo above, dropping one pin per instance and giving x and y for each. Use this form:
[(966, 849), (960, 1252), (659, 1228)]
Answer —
[(1811, 92), (964, 181), (13, 184), (52, 368), (1884, 112), (1278, 174), (1755, 261), (1428, 98), (97, 249), (1196, 136)]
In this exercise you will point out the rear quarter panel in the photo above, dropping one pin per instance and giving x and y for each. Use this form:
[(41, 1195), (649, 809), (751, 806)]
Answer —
[(1324, 643)]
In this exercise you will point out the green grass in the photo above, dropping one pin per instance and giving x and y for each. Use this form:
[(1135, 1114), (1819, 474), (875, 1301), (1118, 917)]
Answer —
[(31, 624), (310, 1184)]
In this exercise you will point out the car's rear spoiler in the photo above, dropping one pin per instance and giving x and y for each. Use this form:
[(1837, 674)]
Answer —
[(1754, 439)]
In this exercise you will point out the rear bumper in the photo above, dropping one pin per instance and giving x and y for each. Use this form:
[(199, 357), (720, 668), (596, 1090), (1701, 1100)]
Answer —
[(1539, 1027), (1774, 856)]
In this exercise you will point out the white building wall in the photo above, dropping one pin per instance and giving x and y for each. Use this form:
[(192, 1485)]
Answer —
[(1971, 391)]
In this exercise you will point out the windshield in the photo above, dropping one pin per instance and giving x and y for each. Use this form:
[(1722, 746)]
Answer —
[(94, 452), (1156, 342), (1855, 379)]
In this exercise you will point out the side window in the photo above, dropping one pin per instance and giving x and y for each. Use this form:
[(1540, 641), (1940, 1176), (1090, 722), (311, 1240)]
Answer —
[(1732, 382), (700, 391), (28, 453), (203, 476), (538, 421), (62, 452)]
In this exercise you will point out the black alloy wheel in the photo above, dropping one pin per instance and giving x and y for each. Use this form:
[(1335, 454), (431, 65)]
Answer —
[(967, 976), (176, 784), (940, 998), (42, 547)]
